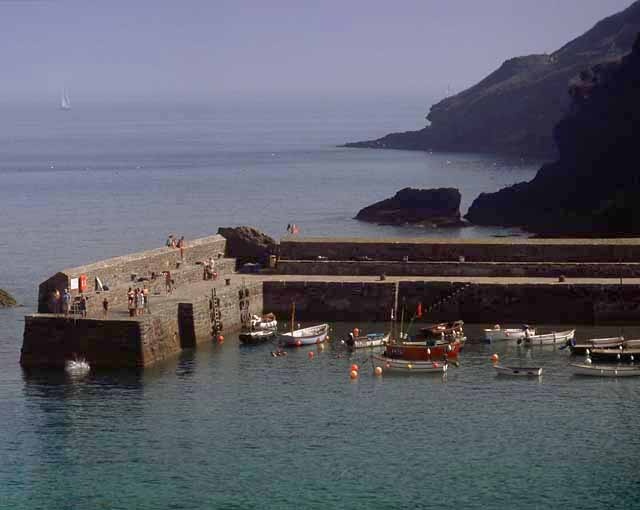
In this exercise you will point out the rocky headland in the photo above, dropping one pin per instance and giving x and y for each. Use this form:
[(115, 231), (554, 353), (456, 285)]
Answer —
[(6, 299), (514, 109), (430, 207), (594, 185)]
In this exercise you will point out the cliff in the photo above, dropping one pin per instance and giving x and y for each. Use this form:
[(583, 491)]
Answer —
[(514, 109), (593, 187), (435, 207)]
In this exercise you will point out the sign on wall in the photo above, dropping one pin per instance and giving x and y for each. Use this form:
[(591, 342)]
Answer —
[(74, 283)]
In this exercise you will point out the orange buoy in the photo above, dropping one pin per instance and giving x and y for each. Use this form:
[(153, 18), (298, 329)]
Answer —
[(298, 343), (356, 332), (353, 374), (311, 354), (355, 367), (495, 358), (220, 339), (378, 371)]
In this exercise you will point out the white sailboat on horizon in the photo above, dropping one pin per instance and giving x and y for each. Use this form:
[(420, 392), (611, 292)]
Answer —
[(65, 102)]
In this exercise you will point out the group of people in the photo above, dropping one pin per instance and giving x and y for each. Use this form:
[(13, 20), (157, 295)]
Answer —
[(292, 228), (210, 272), (174, 242), (138, 301), (62, 303)]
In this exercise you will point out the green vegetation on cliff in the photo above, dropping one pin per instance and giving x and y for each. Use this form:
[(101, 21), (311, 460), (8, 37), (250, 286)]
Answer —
[(514, 109), (6, 299)]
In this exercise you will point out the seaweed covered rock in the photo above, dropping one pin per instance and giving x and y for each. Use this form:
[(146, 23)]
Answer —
[(6, 299)]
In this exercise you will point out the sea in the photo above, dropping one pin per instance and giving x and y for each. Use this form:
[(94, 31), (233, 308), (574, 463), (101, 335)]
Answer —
[(230, 427)]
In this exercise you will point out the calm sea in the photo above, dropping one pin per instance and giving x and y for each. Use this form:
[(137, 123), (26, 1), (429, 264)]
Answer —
[(227, 427)]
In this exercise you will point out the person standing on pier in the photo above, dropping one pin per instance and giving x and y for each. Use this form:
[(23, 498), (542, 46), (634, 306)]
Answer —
[(167, 282), (66, 302), (105, 307), (181, 247), (145, 295)]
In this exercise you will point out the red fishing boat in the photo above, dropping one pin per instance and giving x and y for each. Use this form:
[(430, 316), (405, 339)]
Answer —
[(434, 342)]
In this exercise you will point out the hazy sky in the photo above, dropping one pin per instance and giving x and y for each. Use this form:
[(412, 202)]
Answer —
[(197, 48)]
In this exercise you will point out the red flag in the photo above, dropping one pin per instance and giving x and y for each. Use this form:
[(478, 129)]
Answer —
[(419, 310)]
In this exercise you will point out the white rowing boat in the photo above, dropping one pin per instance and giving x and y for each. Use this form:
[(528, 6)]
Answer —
[(499, 334), (367, 341), (77, 366), (518, 371), (557, 337), (410, 366), (305, 336), (605, 370)]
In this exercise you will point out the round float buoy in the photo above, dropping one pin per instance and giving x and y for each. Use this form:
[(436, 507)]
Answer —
[(495, 358), (388, 365), (356, 332), (353, 374), (409, 366), (355, 367), (310, 354), (378, 371), (428, 351), (587, 361), (220, 339), (436, 364), (631, 358), (298, 343)]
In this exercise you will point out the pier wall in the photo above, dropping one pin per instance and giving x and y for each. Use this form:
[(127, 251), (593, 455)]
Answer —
[(49, 340), (475, 250), (476, 303), (483, 269), (117, 272)]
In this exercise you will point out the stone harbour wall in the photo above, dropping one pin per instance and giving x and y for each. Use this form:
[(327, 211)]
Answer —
[(485, 269), (473, 250)]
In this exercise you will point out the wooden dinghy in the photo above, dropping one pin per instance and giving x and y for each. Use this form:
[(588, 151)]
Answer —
[(621, 353), (594, 370), (499, 334), (555, 338), (518, 371), (410, 366), (595, 343), (367, 341), (305, 336)]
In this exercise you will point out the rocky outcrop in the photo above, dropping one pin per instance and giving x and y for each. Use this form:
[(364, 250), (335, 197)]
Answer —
[(514, 109), (247, 244), (433, 207), (593, 187), (6, 299)]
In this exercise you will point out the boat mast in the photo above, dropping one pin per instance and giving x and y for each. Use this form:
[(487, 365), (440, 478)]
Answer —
[(394, 312), (293, 316)]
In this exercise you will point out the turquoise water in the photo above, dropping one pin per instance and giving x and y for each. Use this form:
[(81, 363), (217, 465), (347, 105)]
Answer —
[(228, 427)]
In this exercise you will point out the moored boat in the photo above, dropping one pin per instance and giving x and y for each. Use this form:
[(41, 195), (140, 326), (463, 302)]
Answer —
[(256, 337), (613, 354), (595, 343), (366, 341), (518, 371), (499, 334), (596, 370), (410, 366), (305, 336), (555, 338)]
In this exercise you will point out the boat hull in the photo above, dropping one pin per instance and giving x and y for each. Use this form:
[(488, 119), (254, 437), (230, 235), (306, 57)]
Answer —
[(612, 354), (369, 341), (596, 343), (408, 366), (306, 336), (419, 351), (518, 371), (605, 370), (505, 335), (556, 338), (256, 337)]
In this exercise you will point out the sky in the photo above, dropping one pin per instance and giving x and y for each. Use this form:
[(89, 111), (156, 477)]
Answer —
[(212, 48)]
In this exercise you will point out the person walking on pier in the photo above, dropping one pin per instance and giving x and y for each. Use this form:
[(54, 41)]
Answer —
[(83, 306)]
